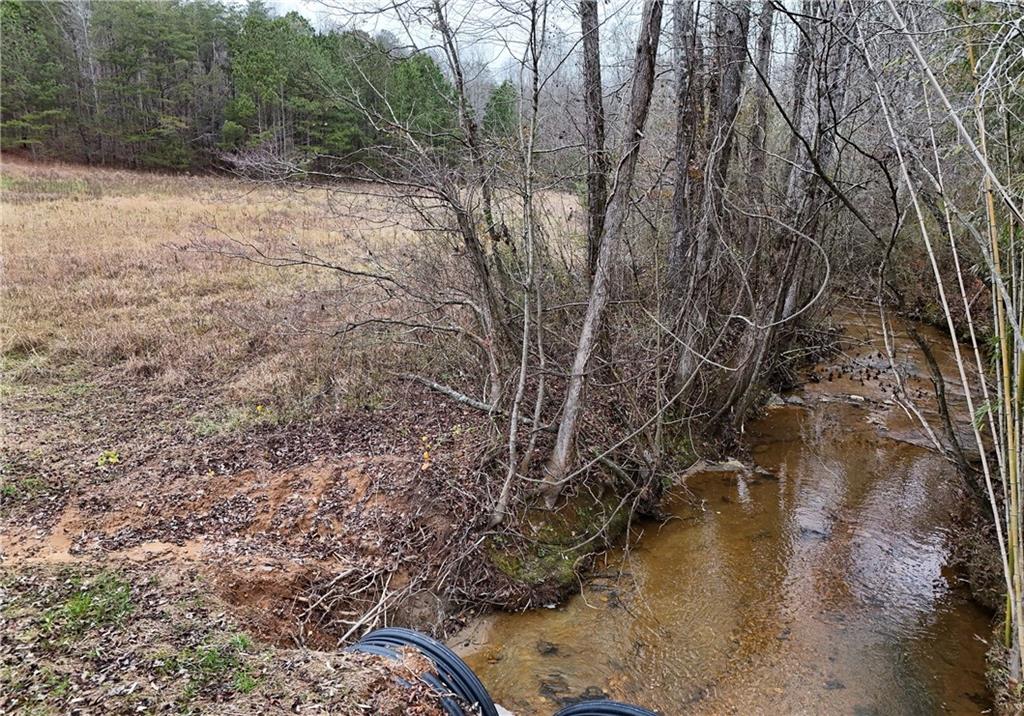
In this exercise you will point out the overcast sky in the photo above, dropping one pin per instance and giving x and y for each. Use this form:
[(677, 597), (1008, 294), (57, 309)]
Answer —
[(482, 32)]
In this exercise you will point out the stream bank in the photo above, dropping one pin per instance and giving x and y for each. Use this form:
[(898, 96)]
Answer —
[(823, 576)]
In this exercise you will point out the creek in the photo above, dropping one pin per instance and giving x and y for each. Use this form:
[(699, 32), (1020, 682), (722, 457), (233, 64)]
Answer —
[(816, 582)]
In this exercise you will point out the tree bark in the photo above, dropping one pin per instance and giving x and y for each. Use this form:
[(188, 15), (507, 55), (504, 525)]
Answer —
[(753, 341), (809, 159), (735, 23), (615, 218), (800, 74), (685, 65), (593, 138), (758, 132), (731, 24)]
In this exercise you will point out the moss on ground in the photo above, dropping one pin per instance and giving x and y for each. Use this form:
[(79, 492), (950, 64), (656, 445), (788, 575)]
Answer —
[(561, 542)]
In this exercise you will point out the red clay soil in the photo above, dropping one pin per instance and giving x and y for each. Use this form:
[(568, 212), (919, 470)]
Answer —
[(302, 535), (301, 527)]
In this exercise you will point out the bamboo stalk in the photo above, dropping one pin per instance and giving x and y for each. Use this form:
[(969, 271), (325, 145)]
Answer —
[(1005, 366), (1006, 425)]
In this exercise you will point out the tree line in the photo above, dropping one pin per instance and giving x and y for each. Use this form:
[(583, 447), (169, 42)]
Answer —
[(190, 84)]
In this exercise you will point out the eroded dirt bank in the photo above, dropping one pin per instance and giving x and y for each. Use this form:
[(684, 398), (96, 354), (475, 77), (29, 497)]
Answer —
[(332, 503), (237, 588)]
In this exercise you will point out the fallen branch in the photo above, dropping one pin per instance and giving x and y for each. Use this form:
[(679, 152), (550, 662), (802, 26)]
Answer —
[(467, 400), (452, 393)]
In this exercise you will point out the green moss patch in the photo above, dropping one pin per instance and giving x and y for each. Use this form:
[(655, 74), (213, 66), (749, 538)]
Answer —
[(560, 542)]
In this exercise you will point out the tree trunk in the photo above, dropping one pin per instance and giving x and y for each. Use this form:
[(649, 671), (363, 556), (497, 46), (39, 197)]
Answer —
[(803, 190), (685, 61), (735, 22), (792, 168), (731, 23), (615, 219), (752, 343), (758, 132), (593, 138)]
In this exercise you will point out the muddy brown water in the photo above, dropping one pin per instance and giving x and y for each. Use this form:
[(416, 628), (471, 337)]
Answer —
[(822, 588)]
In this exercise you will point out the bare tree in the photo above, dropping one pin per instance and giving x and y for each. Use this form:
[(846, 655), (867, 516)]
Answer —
[(593, 136), (561, 457), (758, 130)]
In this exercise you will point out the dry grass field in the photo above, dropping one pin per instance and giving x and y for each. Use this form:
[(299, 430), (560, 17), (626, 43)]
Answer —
[(121, 339), (102, 293), (181, 420)]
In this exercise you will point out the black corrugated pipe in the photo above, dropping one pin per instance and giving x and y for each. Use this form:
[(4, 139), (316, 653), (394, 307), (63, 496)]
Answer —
[(455, 678), (604, 708), (453, 675)]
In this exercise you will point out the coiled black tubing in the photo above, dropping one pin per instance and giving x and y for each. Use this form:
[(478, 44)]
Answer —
[(604, 708), (455, 678), (454, 675)]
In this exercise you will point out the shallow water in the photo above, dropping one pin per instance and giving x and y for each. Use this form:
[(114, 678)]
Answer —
[(820, 588)]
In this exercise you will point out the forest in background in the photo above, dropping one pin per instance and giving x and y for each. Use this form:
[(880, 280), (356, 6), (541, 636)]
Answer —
[(180, 85)]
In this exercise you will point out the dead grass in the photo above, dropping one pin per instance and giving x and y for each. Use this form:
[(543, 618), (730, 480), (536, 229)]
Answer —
[(171, 410), (99, 276), (117, 333)]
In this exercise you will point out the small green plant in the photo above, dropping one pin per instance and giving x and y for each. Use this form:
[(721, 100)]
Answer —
[(107, 600), (240, 642), (981, 413), (108, 457), (21, 489), (73, 389), (212, 666), (244, 681)]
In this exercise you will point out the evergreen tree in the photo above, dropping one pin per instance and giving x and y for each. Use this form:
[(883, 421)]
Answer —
[(422, 99), (501, 114), (178, 83), (34, 93)]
